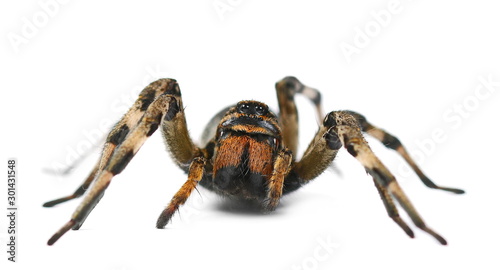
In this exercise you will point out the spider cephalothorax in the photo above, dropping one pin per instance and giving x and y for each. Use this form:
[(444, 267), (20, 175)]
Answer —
[(249, 152), (247, 140)]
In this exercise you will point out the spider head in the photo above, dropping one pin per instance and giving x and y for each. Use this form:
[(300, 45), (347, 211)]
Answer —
[(250, 117), (247, 141)]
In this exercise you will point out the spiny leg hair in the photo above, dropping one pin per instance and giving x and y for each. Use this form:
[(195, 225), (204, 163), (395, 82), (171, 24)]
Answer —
[(195, 174), (282, 166)]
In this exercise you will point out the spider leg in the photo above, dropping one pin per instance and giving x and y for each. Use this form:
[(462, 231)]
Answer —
[(67, 170), (348, 131), (318, 156), (120, 131), (391, 209), (392, 142), (286, 89), (188, 157), (165, 106), (195, 174), (79, 192), (282, 166)]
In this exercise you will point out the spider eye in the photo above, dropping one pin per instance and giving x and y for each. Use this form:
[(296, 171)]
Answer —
[(261, 110), (244, 108), (252, 107)]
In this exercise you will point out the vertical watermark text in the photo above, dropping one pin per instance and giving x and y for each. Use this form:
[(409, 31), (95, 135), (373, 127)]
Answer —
[(12, 215)]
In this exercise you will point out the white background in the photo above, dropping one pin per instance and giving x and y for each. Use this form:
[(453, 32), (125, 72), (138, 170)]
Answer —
[(85, 62)]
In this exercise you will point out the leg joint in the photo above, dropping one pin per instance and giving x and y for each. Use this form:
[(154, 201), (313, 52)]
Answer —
[(173, 109), (390, 141)]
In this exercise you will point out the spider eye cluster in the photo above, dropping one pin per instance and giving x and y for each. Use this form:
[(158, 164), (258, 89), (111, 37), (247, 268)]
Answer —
[(252, 108)]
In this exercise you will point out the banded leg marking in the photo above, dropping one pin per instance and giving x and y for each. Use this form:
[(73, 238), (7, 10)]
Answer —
[(393, 143), (349, 132), (286, 89), (391, 209), (118, 133), (121, 156)]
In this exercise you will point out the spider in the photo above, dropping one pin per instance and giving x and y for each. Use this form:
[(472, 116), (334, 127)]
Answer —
[(249, 152)]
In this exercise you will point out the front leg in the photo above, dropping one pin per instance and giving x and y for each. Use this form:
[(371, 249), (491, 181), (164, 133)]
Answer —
[(318, 156), (347, 129), (195, 174), (393, 143), (166, 105), (118, 133)]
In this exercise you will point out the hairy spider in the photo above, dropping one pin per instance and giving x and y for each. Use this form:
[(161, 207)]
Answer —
[(248, 153)]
